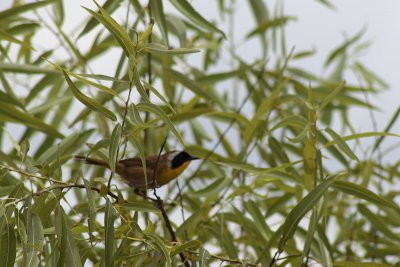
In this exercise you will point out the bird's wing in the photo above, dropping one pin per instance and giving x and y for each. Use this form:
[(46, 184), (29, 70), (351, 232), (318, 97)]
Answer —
[(137, 162), (131, 162), (135, 177)]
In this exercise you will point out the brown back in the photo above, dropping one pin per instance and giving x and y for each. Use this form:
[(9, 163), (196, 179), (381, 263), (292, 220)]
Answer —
[(131, 169)]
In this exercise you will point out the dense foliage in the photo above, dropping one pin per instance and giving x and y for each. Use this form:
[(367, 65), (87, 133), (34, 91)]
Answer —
[(285, 179)]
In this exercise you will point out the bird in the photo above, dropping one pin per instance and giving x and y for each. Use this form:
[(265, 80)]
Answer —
[(168, 167)]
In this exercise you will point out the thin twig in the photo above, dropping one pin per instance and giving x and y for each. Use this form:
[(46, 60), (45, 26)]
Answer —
[(223, 259), (56, 183), (47, 179), (59, 186)]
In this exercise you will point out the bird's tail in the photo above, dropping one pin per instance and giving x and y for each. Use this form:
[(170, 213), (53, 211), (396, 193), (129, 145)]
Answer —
[(92, 161)]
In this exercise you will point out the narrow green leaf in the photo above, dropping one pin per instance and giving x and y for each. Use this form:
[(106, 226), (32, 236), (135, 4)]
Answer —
[(260, 10), (49, 104), (110, 6), (114, 145), (149, 107), (341, 144), (58, 8), (25, 68), (212, 189), (331, 96), (342, 48), (11, 113), (204, 256), (329, 5), (18, 191), (38, 234), (190, 224), (115, 29), (157, 10), (12, 97), (189, 84), (160, 96), (359, 264), (186, 246), (387, 128), (362, 192), (69, 253), (222, 76), (301, 209), (161, 246), (265, 106), (177, 27), (92, 209), (10, 38), (103, 143), (142, 155), (109, 218), (139, 206), (24, 149), (228, 116), (65, 146), (31, 259), (96, 85), (191, 114), (5, 98), (8, 247), (134, 115), (190, 13), (325, 253), (361, 135), (14, 11), (90, 103), (258, 219), (159, 49), (270, 24), (139, 86), (102, 77), (378, 223), (309, 237), (46, 81)]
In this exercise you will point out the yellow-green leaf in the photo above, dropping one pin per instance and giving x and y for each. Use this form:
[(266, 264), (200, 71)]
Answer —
[(89, 102)]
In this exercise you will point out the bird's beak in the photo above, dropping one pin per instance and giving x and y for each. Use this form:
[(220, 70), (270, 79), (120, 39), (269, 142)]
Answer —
[(194, 158)]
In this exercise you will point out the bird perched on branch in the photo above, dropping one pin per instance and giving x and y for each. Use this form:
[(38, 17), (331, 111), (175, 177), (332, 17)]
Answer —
[(169, 166)]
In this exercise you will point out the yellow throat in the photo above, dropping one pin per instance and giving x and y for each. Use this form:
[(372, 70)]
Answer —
[(169, 174)]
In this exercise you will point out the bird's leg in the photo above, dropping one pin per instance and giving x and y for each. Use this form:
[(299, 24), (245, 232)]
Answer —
[(143, 194)]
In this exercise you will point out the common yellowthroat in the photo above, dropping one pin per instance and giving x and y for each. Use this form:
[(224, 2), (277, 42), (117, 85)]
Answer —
[(169, 166)]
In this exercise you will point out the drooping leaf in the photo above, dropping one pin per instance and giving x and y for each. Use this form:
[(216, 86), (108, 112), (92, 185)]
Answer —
[(149, 107), (114, 146), (187, 10), (13, 114), (302, 208), (109, 218), (14, 11), (362, 192), (89, 102), (8, 246)]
